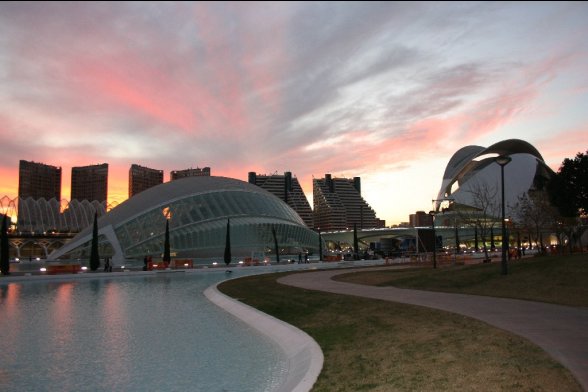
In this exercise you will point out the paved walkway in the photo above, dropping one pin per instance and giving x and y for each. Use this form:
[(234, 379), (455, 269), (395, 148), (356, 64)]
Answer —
[(562, 331)]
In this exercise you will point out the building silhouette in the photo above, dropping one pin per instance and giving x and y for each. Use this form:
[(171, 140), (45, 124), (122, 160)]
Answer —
[(338, 205), (142, 178), (177, 174), (420, 219), (37, 180), (288, 189), (90, 183)]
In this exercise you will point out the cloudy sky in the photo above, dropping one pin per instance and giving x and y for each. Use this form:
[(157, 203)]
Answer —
[(384, 91)]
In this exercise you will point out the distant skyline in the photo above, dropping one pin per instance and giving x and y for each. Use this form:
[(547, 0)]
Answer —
[(384, 91)]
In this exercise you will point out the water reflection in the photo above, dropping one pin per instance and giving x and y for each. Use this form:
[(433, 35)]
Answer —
[(116, 334), (131, 334)]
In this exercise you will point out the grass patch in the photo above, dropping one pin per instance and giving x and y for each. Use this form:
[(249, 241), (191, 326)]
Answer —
[(372, 345), (554, 279)]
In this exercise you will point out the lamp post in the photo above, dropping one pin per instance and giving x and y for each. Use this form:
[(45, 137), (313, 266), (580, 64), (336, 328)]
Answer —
[(320, 244), (432, 213), (503, 161)]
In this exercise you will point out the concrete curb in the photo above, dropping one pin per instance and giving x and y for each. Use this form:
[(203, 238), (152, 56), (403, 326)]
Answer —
[(305, 358)]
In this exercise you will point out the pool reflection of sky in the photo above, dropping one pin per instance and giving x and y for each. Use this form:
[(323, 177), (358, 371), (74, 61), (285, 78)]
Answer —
[(137, 333)]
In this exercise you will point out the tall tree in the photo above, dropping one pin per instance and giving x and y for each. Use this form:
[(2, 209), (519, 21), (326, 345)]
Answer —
[(276, 245), (355, 243), (534, 213), (4, 258), (568, 189), (94, 256), (320, 239), (228, 244), (457, 242), (166, 247), (484, 214)]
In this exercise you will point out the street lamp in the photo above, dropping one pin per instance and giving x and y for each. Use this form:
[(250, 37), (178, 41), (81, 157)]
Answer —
[(320, 244), (432, 213), (503, 160)]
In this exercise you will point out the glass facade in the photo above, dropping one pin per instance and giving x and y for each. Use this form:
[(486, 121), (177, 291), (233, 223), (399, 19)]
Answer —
[(198, 224)]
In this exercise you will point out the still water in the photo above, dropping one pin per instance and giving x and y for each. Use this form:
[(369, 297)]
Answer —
[(142, 333)]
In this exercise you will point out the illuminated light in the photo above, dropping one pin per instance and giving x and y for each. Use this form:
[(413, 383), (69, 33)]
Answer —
[(17, 259), (84, 268), (38, 259), (43, 269), (122, 267), (214, 263), (241, 262), (154, 265), (491, 155), (186, 264)]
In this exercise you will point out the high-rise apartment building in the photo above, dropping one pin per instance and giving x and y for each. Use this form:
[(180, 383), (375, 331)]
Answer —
[(338, 205), (90, 183), (37, 180), (288, 189), (420, 219), (141, 178), (177, 174)]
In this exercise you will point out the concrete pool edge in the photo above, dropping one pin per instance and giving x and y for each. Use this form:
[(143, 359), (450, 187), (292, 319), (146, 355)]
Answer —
[(304, 356)]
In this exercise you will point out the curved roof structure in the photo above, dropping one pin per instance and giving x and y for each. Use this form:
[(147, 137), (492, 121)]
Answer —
[(473, 165), (198, 209)]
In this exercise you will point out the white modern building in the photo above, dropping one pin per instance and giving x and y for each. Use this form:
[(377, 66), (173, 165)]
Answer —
[(198, 209), (473, 168)]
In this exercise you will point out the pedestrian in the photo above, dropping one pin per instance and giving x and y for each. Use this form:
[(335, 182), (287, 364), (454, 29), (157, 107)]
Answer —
[(107, 265)]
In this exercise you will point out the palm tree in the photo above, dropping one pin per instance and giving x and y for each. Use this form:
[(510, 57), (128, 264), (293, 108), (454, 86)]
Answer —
[(228, 244), (94, 256)]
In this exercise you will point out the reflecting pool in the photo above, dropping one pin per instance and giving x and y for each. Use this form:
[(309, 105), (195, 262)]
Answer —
[(136, 333)]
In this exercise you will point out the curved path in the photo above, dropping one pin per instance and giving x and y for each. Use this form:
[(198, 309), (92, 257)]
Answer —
[(562, 331)]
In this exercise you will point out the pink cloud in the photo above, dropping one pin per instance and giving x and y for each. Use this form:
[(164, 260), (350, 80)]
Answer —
[(8, 181), (561, 145)]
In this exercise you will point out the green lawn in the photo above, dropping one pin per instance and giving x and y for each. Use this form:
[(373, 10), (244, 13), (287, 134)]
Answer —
[(372, 345), (555, 279)]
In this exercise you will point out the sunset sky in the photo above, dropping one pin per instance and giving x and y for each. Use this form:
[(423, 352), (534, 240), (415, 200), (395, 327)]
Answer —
[(384, 91)]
